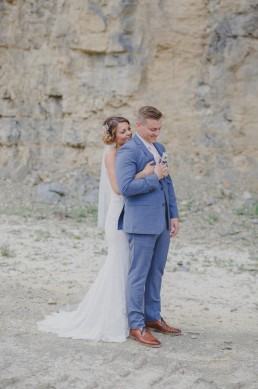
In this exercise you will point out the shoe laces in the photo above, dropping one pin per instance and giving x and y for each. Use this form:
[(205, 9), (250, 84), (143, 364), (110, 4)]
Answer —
[(144, 329)]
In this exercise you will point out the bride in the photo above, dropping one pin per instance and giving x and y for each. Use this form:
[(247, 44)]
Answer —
[(102, 314)]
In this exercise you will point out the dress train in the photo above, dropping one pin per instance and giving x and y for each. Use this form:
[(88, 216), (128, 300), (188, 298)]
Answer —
[(102, 315)]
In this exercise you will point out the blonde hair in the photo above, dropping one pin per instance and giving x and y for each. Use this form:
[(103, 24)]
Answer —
[(148, 112)]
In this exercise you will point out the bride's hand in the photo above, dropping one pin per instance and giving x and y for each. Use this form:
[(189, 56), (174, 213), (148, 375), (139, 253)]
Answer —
[(148, 169)]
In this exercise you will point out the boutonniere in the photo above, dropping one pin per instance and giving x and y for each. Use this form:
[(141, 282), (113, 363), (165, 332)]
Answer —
[(164, 158)]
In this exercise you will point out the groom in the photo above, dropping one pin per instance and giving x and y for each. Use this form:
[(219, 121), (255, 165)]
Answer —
[(150, 219)]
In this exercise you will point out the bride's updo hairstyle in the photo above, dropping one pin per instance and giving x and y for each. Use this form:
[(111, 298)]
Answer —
[(109, 128)]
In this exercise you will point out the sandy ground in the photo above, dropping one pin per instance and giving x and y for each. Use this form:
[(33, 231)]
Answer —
[(209, 291)]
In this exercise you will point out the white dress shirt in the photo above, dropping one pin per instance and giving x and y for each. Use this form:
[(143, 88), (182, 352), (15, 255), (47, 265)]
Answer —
[(151, 148)]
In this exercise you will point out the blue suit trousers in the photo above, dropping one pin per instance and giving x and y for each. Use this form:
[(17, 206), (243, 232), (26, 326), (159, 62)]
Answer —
[(148, 255)]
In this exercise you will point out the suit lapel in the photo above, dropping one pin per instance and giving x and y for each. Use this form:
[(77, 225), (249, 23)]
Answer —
[(142, 146)]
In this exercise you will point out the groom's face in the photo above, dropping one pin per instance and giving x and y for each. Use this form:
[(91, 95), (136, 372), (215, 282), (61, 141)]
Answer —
[(149, 129)]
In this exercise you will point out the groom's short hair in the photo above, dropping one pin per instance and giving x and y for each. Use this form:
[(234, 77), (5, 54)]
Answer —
[(148, 112)]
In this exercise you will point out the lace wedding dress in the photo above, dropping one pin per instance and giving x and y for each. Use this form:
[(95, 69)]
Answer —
[(102, 315)]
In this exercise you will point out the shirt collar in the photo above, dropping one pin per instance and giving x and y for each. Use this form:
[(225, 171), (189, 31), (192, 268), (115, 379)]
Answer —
[(147, 144)]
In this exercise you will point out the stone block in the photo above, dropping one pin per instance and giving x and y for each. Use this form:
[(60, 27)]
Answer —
[(10, 132), (45, 195), (74, 134)]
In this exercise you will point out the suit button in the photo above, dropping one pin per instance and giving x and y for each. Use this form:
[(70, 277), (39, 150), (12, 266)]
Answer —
[(163, 205)]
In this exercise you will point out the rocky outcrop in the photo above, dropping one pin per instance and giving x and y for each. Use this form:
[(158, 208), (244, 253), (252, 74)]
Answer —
[(65, 66)]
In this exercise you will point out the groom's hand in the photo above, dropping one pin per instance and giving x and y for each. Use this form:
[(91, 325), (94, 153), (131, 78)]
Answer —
[(161, 170), (174, 227)]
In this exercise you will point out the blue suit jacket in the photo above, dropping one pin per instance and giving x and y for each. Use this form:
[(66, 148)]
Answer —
[(147, 200)]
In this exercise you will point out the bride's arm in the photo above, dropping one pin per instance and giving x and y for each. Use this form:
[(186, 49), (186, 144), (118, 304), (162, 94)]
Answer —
[(148, 169), (110, 166)]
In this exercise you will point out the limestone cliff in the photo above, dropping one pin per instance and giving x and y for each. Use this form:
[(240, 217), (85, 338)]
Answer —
[(66, 65)]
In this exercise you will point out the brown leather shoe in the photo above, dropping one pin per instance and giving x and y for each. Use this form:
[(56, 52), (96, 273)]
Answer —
[(143, 336), (162, 327)]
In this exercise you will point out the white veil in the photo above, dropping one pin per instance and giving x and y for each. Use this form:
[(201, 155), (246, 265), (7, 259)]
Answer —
[(104, 192)]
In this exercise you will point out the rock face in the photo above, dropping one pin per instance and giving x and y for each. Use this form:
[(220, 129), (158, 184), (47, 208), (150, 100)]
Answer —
[(66, 65)]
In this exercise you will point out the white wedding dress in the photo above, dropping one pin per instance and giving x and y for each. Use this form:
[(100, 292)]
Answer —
[(102, 315)]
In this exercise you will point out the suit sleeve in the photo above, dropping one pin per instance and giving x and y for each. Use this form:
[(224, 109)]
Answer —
[(173, 211), (126, 169)]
